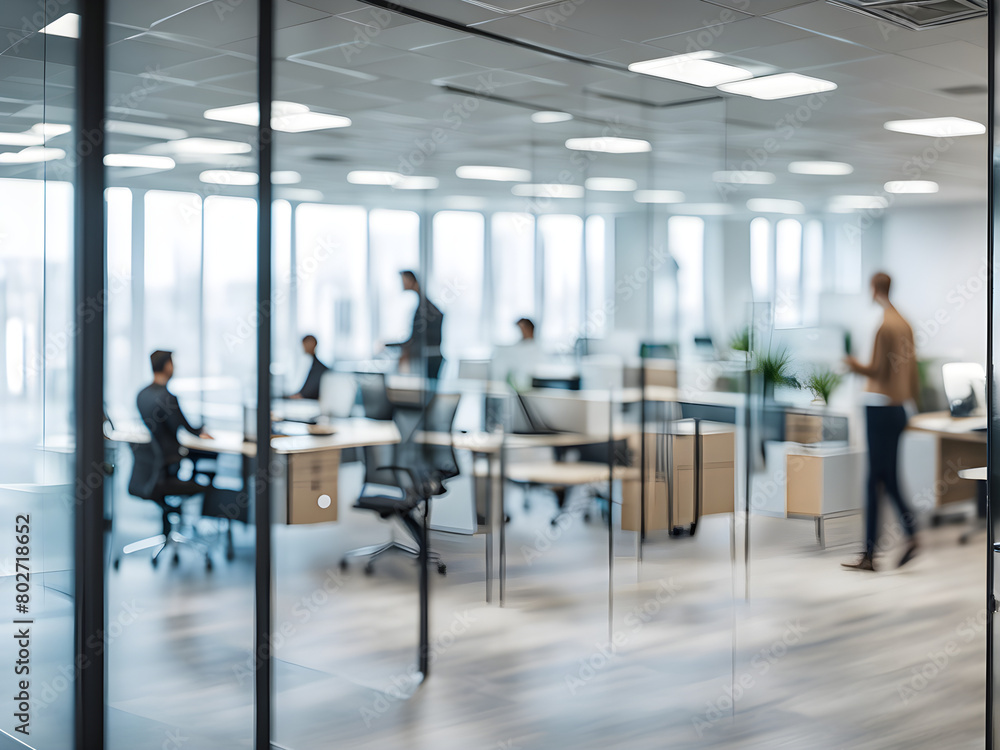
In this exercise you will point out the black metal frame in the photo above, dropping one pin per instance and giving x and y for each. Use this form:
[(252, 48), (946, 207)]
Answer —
[(993, 18), (89, 290), (263, 673)]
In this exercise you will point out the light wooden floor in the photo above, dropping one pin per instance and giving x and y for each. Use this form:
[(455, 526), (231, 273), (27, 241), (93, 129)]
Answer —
[(822, 657)]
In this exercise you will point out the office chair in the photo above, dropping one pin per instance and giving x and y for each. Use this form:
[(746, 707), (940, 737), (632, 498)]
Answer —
[(374, 395), (416, 469), (149, 482)]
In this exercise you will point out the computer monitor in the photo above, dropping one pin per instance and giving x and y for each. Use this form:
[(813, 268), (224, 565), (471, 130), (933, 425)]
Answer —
[(965, 388), (338, 392)]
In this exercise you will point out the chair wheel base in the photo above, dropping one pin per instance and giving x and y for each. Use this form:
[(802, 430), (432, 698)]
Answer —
[(155, 561), (343, 564), (208, 564), (116, 563), (369, 569), (175, 560), (442, 568)]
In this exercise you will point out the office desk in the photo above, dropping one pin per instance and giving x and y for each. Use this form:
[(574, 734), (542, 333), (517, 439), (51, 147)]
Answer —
[(305, 469), (961, 444)]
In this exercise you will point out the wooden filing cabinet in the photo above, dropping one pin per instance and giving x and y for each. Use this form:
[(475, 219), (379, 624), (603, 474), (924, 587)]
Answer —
[(307, 482), (718, 445)]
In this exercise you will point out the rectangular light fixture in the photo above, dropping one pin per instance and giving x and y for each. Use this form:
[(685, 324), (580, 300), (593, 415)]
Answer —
[(416, 182), (613, 184), (937, 127), (609, 145), (820, 167), (744, 177), (208, 146), (285, 177), (845, 204), (911, 186), (49, 129), (658, 196), (142, 130), (373, 177), (779, 86), (546, 118), (228, 177), (498, 174), (547, 190), (21, 139), (32, 155), (695, 68), (138, 161), (775, 206), (287, 117), (67, 25)]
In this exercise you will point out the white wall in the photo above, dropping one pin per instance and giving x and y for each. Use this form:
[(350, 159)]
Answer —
[(937, 260)]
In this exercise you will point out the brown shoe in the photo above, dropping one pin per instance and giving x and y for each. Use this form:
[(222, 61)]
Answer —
[(910, 553), (864, 562)]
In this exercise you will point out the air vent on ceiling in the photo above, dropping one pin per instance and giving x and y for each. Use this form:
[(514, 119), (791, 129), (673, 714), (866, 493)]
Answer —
[(921, 14)]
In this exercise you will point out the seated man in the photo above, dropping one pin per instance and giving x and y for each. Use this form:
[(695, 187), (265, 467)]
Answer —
[(516, 364), (162, 415), (310, 388)]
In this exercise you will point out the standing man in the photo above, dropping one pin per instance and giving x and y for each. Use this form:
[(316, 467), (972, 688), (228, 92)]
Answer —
[(310, 388), (893, 385), (425, 336)]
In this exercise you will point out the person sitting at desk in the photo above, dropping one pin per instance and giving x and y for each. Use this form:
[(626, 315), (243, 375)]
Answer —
[(162, 415), (425, 335), (517, 364), (310, 388)]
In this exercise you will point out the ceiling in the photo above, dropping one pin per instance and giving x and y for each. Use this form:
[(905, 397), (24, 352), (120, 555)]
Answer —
[(426, 97)]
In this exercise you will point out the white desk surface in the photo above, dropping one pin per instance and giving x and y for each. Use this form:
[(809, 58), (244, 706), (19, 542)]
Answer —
[(350, 433), (979, 473), (567, 474), (942, 423)]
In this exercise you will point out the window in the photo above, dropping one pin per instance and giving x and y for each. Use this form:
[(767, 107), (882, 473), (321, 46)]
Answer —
[(847, 269), (788, 274), (395, 246), (285, 338), (456, 283), (597, 277), (122, 369), (686, 241), (331, 256), (760, 259), (562, 243), (172, 278), (230, 290), (513, 260), (812, 271)]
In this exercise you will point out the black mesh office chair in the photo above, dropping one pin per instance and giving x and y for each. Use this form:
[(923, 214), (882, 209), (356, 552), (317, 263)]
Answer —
[(151, 480), (374, 396), (413, 471)]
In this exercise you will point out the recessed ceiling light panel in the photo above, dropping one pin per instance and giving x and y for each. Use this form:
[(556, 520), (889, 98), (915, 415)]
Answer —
[(67, 25), (615, 184), (609, 145), (138, 161), (820, 167), (497, 174), (545, 118), (228, 177), (779, 86), (911, 186), (937, 127), (695, 68)]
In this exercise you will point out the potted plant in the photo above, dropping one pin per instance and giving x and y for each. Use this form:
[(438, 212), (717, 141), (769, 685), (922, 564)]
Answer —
[(823, 382), (775, 368)]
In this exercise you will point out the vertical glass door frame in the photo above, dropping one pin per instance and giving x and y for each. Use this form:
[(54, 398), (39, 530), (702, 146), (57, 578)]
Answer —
[(993, 451), (89, 293)]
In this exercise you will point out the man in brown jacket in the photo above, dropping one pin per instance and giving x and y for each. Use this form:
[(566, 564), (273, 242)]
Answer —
[(892, 383)]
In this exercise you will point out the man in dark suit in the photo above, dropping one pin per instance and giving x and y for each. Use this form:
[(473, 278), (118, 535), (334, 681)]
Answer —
[(425, 336), (162, 415), (310, 388)]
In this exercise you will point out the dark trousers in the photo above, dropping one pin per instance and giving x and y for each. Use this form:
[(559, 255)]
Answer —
[(885, 426)]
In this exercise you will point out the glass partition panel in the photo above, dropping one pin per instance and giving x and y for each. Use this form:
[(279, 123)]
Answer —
[(37, 326), (182, 231)]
